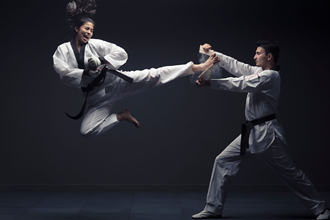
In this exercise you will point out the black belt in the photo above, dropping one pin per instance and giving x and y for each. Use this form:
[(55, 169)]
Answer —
[(96, 82), (247, 127)]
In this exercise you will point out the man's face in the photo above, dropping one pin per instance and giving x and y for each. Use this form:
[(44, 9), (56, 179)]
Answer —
[(261, 58)]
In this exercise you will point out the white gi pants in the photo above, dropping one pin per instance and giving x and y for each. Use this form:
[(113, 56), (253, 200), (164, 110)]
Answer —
[(278, 157), (99, 119)]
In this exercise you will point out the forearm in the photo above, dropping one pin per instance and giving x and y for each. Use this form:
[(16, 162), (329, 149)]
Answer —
[(253, 83), (235, 67)]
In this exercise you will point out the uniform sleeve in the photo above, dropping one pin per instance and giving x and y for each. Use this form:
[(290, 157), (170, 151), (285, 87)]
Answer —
[(68, 75), (253, 83), (235, 67), (115, 55)]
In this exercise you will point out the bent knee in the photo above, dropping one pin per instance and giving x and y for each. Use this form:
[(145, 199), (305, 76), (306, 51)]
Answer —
[(222, 158), (219, 159), (88, 134)]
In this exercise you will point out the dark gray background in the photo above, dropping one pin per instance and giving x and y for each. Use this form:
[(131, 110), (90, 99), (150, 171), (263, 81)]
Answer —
[(182, 128)]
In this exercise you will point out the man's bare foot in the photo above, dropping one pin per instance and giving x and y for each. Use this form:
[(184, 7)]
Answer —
[(126, 115), (213, 59)]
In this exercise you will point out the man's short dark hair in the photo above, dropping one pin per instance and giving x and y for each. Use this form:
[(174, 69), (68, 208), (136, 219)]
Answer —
[(270, 46)]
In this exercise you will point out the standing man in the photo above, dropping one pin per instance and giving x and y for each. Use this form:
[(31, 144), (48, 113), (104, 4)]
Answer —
[(262, 136)]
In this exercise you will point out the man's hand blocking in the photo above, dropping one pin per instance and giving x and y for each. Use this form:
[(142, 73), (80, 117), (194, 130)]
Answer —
[(201, 83), (206, 47)]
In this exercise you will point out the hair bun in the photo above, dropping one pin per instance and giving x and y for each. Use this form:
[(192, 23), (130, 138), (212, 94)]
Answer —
[(80, 8)]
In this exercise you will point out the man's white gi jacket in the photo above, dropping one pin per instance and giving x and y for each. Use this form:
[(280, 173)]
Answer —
[(263, 91)]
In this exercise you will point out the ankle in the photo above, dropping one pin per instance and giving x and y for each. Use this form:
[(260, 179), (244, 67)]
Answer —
[(121, 116), (197, 67)]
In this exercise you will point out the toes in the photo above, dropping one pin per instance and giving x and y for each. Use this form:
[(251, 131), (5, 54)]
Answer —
[(135, 122)]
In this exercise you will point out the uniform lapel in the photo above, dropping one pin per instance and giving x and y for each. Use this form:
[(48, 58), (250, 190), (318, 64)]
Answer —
[(79, 56)]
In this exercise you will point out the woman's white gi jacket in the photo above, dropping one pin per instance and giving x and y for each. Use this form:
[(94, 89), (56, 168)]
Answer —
[(66, 65)]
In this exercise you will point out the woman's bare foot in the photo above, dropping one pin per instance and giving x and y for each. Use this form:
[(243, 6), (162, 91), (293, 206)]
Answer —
[(213, 59), (126, 115)]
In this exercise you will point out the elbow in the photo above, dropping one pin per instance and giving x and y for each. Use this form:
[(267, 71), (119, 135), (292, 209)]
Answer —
[(63, 79), (70, 81), (124, 57)]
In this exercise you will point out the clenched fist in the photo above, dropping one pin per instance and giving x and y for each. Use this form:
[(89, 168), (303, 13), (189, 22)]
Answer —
[(94, 62)]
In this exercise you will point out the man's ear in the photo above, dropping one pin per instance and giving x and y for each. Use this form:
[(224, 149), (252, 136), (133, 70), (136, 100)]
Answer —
[(269, 56), (76, 29)]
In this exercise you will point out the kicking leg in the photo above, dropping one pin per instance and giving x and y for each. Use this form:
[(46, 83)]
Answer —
[(213, 59), (149, 78)]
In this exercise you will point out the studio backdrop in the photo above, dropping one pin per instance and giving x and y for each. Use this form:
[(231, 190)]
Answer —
[(182, 128)]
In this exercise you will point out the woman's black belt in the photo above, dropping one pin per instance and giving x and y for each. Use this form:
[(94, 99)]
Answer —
[(97, 82)]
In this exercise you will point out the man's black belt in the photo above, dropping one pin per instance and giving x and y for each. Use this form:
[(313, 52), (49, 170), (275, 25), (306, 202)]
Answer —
[(97, 82), (247, 127)]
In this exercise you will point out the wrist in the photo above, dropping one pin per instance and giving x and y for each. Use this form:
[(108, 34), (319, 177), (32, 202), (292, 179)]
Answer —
[(103, 61)]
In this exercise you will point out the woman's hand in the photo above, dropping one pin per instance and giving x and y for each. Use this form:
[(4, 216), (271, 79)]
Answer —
[(92, 72), (94, 62)]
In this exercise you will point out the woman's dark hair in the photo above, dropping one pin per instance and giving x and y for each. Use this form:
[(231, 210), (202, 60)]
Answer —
[(80, 11), (270, 46)]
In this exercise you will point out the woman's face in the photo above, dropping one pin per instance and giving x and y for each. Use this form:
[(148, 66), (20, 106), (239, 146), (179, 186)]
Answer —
[(84, 33)]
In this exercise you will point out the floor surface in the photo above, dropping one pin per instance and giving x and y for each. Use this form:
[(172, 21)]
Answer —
[(147, 206)]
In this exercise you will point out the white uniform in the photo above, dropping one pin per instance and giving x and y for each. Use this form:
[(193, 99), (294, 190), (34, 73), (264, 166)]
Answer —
[(266, 141), (98, 118)]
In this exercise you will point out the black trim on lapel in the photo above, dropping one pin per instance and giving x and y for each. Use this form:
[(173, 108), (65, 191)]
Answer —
[(79, 56)]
